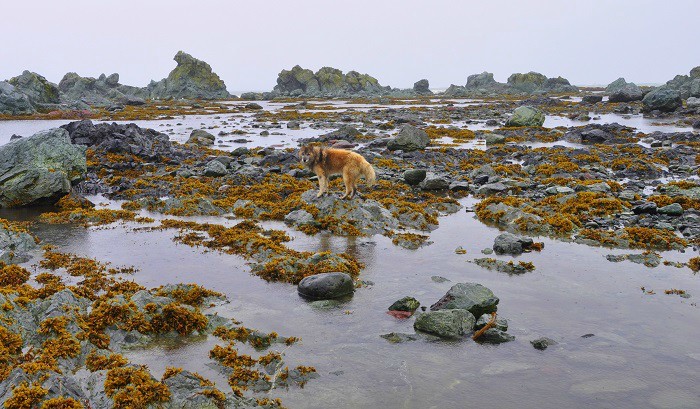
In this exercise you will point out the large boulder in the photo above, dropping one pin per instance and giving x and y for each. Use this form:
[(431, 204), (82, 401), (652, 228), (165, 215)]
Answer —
[(662, 99), (695, 72), (558, 85), (191, 79), (37, 88), (14, 102), (422, 87), (627, 93), (201, 137), (526, 116), (472, 297), (615, 85), (326, 286), (529, 82), (366, 215), (409, 139), (40, 169), (483, 80), (446, 323)]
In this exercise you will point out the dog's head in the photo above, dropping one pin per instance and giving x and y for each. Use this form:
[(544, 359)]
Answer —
[(308, 154)]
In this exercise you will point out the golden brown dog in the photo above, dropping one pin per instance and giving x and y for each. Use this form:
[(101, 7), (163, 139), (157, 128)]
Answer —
[(326, 162)]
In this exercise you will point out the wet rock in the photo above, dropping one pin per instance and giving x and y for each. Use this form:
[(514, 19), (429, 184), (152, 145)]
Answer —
[(253, 105), (299, 217), (591, 99), (526, 116), (542, 343), (15, 245), (192, 78), (495, 139), (662, 99), (201, 137), (14, 102), (101, 92), (187, 392), (409, 139), (508, 243), (37, 88), (445, 323), (439, 279), (648, 259), (645, 208), (399, 338), (369, 216), (414, 177), (40, 169), (501, 323), (293, 125), (435, 182), (215, 168), (504, 267), (674, 209), (491, 189), (325, 286), (495, 336), (472, 297), (627, 93), (409, 304)]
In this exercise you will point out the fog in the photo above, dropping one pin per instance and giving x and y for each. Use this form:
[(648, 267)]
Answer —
[(397, 41)]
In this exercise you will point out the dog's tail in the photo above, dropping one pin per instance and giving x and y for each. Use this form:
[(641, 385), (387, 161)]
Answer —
[(368, 172)]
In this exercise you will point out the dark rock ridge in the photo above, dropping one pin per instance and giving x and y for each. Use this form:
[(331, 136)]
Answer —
[(191, 79), (518, 84)]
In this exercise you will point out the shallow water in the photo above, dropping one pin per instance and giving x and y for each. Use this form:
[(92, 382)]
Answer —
[(643, 350), (643, 353)]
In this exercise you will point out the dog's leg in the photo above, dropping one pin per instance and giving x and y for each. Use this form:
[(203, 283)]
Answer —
[(321, 186), (348, 180)]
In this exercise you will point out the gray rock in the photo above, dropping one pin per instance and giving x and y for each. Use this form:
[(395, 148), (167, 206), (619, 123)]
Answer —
[(591, 99), (662, 99), (422, 87), (369, 216), (102, 91), (445, 323), (201, 137), (37, 88), (495, 139), (526, 116), (495, 336), (508, 243), (543, 343), (327, 81), (409, 139), (215, 168), (186, 393), (674, 209), (414, 177), (472, 297), (14, 102), (627, 93), (326, 286), (693, 102), (398, 338), (192, 78), (491, 189), (501, 323), (615, 85), (299, 217), (15, 245), (293, 125), (40, 168), (409, 304), (529, 82), (435, 182)]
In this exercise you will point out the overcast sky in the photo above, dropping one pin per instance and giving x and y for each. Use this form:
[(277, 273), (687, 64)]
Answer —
[(397, 41)]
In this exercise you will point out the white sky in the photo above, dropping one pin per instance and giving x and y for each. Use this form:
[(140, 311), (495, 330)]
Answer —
[(398, 41)]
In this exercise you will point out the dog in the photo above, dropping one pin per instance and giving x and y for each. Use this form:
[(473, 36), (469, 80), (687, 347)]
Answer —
[(326, 162)]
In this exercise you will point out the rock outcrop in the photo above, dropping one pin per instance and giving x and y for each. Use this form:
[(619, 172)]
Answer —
[(98, 92), (37, 88), (518, 84), (328, 82), (422, 87), (191, 79), (14, 102), (39, 169)]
